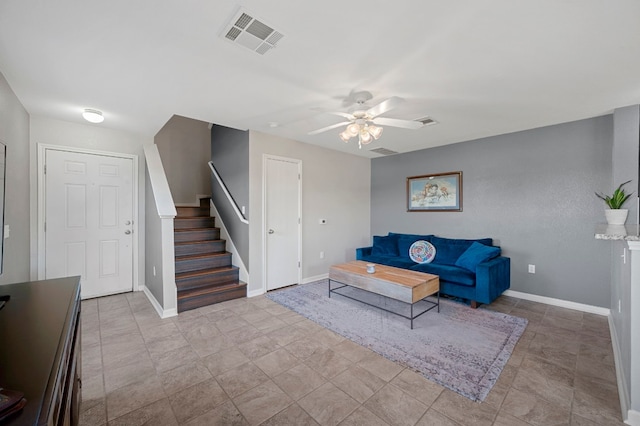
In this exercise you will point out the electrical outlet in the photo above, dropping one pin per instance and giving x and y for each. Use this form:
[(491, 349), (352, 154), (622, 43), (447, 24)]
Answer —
[(532, 269), (154, 271), (321, 255), (619, 306)]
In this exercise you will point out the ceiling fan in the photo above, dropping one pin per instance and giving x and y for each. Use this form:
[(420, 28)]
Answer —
[(364, 122)]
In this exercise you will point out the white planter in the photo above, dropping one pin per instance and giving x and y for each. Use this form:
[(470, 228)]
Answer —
[(616, 216)]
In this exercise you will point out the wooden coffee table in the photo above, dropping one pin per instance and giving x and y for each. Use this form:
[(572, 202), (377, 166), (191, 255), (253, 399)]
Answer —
[(396, 283)]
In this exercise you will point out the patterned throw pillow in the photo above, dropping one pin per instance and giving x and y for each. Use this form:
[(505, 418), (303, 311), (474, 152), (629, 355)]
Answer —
[(422, 252)]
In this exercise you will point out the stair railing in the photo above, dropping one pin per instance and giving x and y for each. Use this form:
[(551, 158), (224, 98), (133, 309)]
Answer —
[(233, 203)]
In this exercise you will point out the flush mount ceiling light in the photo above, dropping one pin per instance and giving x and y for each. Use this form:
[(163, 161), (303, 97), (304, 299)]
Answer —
[(92, 115)]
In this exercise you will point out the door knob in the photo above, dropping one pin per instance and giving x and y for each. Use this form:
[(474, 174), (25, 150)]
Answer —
[(271, 231), (127, 232), (128, 222)]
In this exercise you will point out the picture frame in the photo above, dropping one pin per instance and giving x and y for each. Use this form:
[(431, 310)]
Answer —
[(439, 192)]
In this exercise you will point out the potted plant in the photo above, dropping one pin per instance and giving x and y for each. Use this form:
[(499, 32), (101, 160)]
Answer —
[(615, 214)]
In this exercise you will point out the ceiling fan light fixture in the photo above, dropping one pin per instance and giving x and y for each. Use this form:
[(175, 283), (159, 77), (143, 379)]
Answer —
[(353, 129), (365, 122), (375, 131), (365, 136)]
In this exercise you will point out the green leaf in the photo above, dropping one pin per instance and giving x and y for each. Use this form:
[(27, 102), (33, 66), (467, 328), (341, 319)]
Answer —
[(617, 199)]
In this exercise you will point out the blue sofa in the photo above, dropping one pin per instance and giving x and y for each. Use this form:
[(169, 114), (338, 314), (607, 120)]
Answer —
[(469, 269)]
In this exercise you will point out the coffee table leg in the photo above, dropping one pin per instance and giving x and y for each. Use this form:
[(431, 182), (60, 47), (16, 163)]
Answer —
[(412, 316), (438, 302), (329, 288)]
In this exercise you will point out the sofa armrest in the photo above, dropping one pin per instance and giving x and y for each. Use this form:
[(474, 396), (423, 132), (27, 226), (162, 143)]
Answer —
[(492, 278), (362, 252)]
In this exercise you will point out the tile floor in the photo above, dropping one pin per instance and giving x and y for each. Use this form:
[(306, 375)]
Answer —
[(251, 362)]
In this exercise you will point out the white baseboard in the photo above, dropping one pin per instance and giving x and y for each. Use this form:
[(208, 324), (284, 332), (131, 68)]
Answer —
[(316, 278), (164, 313), (559, 302), (254, 293), (633, 418)]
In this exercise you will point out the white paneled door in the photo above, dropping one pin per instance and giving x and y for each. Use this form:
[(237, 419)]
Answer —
[(282, 221), (89, 220)]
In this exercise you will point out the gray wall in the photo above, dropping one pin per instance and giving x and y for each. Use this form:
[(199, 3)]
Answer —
[(14, 132), (336, 186), (184, 146), (626, 135), (625, 155), (153, 244), (531, 191), (230, 156)]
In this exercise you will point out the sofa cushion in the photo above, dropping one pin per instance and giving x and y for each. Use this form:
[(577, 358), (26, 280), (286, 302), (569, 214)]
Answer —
[(447, 273), (476, 254), (448, 250), (385, 246)]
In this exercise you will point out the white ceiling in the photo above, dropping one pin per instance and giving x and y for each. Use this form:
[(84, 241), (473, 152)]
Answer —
[(479, 68)]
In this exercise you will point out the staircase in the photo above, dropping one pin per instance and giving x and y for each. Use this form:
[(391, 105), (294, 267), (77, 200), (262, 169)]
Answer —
[(204, 273)]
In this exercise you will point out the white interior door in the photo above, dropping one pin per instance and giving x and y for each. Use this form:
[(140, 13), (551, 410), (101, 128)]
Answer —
[(282, 221), (89, 220)]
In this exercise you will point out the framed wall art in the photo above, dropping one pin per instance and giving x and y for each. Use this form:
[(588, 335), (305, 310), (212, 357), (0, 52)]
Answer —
[(441, 192)]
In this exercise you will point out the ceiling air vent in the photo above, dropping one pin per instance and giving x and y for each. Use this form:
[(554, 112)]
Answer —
[(383, 151), (245, 30), (427, 121)]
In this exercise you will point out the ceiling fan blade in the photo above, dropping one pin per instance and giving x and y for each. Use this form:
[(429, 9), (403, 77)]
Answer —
[(324, 129), (343, 114), (394, 122), (384, 106)]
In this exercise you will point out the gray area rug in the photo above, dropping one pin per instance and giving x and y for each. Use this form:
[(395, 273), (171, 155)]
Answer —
[(460, 348)]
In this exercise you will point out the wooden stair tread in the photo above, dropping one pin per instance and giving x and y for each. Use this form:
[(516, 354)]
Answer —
[(200, 272), (202, 255), (199, 291), (186, 243), (202, 228), (204, 216), (192, 217)]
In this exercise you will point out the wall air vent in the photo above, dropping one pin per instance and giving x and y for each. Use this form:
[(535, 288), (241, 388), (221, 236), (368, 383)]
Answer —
[(427, 121), (244, 29), (383, 151)]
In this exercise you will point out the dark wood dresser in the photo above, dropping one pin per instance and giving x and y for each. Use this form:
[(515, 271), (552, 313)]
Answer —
[(40, 350)]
